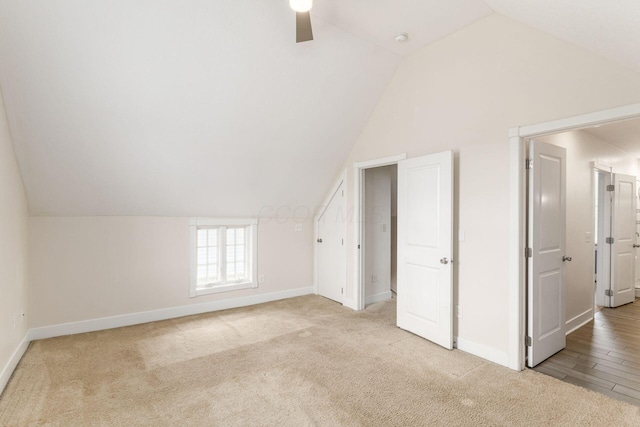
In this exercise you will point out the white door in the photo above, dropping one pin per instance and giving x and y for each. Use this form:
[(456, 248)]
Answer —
[(332, 268), (637, 246), (546, 239), (623, 231), (425, 282), (603, 259)]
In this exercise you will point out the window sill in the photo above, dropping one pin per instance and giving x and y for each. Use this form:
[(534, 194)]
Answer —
[(223, 288)]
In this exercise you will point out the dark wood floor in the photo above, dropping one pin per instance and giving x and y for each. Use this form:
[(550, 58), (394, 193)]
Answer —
[(603, 355)]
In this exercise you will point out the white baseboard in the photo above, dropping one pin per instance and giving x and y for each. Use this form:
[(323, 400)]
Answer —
[(637, 292), (13, 362), (382, 296), (579, 321), (162, 314), (350, 303), (488, 353)]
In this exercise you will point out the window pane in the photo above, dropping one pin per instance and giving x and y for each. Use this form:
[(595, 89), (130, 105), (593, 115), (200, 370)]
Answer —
[(240, 253), (231, 236), (230, 254), (202, 256), (240, 235), (212, 255), (202, 238), (213, 237)]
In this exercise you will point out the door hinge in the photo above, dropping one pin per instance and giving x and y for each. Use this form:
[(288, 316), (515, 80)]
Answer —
[(528, 252), (342, 193), (358, 246), (528, 164), (608, 292), (342, 291), (527, 341), (611, 187), (342, 242), (610, 240)]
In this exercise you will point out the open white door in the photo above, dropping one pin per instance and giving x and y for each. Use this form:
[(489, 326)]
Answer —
[(546, 247), (623, 231), (425, 244), (332, 268), (603, 255)]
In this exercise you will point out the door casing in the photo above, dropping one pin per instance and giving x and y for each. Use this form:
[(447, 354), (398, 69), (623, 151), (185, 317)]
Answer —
[(358, 300)]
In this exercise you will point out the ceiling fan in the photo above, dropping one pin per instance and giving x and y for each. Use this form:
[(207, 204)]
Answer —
[(303, 19)]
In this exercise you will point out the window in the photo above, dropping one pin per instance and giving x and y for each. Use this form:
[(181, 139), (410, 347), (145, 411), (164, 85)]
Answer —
[(223, 255)]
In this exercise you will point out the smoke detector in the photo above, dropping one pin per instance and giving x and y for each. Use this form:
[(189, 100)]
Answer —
[(402, 37)]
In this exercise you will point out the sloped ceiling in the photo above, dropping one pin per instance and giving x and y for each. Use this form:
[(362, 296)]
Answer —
[(624, 134), (609, 28), (200, 107), (180, 107)]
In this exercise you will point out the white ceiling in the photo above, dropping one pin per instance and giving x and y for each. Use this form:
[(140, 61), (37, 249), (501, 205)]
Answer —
[(200, 107), (610, 28), (625, 135), (379, 21)]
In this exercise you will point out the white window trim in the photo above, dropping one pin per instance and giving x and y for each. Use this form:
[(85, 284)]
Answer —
[(252, 225)]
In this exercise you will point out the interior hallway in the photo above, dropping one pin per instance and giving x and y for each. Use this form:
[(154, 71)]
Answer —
[(603, 355)]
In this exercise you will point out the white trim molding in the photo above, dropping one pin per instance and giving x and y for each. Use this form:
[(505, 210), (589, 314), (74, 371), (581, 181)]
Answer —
[(517, 220), (11, 365), (488, 353), (161, 314), (579, 321), (382, 296)]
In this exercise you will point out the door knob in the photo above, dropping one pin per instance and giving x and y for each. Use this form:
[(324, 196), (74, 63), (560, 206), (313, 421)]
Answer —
[(319, 240), (444, 261), (636, 246), (566, 258)]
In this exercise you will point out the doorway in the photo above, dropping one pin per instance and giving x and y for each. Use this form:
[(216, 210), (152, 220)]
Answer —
[(424, 243), (518, 262), (380, 215)]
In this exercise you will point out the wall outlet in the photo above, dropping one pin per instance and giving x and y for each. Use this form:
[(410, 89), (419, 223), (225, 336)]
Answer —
[(459, 311), (15, 321), (261, 279), (298, 228), (374, 278)]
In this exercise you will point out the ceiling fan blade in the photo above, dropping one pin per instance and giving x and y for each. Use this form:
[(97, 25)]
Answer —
[(303, 27)]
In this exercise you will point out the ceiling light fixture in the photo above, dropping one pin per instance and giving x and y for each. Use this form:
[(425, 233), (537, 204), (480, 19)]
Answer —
[(400, 37), (301, 5)]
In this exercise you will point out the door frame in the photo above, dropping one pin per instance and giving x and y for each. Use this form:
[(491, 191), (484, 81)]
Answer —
[(518, 212), (358, 302), (342, 180)]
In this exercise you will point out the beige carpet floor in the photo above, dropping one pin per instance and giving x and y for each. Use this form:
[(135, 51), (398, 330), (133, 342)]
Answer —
[(299, 362)]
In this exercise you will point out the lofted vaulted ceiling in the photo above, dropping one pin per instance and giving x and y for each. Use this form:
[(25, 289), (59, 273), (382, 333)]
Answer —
[(200, 107)]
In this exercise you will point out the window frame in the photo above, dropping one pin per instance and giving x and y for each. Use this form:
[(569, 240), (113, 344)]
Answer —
[(251, 237)]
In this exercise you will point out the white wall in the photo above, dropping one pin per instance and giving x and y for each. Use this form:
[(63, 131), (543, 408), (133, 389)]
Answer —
[(464, 93), (583, 149), (84, 268), (14, 289), (377, 239)]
